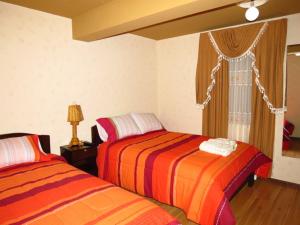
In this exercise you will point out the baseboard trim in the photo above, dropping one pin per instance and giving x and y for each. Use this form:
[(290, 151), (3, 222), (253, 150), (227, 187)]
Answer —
[(285, 182)]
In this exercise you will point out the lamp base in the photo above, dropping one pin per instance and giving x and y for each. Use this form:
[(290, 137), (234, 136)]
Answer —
[(75, 142)]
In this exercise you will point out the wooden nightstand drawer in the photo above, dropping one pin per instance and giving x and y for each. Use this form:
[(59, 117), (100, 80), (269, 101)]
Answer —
[(82, 157), (78, 155)]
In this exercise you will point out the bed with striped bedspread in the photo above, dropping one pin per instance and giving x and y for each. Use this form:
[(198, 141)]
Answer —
[(53, 192), (169, 167)]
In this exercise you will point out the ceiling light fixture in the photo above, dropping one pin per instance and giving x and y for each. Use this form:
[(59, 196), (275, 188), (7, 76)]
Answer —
[(252, 12)]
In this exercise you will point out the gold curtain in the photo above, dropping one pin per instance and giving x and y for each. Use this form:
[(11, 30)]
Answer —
[(269, 54), (234, 42), (215, 114)]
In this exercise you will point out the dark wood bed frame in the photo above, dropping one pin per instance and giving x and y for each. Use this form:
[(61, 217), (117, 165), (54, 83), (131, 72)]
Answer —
[(96, 140), (95, 136), (44, 139)]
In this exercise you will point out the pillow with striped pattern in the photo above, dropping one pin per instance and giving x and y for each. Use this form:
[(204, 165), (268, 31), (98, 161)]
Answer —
[(102, 133), (119, 127), (146, 122), (19, 150)]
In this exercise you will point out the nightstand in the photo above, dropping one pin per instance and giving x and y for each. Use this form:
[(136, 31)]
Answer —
[(82, 157)]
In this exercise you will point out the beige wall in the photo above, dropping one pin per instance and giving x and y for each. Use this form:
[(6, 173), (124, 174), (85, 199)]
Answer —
[(293, 92), (176, 63), (176, 93), (43, 71)]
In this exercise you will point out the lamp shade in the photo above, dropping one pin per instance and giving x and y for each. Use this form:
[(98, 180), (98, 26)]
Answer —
[(75, 113)]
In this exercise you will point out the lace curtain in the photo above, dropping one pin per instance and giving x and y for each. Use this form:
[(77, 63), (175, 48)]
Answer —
[(240, 92)]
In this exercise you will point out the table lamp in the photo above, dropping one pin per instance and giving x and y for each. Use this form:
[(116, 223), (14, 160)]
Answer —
[(74, 117)]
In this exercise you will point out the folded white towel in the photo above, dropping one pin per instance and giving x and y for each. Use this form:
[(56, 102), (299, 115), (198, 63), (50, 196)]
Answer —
[(219, 146), (223, 142)]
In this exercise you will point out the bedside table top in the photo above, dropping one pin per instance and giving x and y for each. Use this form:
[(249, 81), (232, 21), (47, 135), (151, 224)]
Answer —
[(86, 145)]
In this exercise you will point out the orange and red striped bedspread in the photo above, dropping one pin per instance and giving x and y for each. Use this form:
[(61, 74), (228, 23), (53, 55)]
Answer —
[(54, 192), (169, 167)]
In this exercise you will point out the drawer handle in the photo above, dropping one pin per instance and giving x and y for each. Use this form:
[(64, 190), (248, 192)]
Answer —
[(85, 150)]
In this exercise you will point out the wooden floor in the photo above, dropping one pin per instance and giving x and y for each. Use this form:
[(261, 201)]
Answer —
[(294, 151), (268, 202)]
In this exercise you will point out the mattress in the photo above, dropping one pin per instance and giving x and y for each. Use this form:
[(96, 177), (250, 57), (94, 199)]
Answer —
[(53, 192), (170, 168)]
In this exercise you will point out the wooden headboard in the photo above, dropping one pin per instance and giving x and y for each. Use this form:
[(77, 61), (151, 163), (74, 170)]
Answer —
[(95, 136), (44, 139)]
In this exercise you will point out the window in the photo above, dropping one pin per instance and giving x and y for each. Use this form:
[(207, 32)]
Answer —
[(240, 92)]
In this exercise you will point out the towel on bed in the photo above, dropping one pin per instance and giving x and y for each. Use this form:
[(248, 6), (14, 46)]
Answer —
[(218, 146)]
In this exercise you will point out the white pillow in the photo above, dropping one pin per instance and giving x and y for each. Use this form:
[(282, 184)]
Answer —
[(146, 122), (118, 127), (20, 150), (102, 133)]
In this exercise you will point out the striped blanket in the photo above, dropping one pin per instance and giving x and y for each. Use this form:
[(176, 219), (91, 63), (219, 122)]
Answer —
[(54, 192), (169, 167)]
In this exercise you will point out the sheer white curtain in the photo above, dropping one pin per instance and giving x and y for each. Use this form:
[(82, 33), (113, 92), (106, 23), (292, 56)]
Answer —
[(240, 89)]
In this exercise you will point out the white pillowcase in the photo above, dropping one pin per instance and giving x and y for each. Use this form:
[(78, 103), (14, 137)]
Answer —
[(146, 122), (125, 126), (102, 133), (17, 150), (118, 127)]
